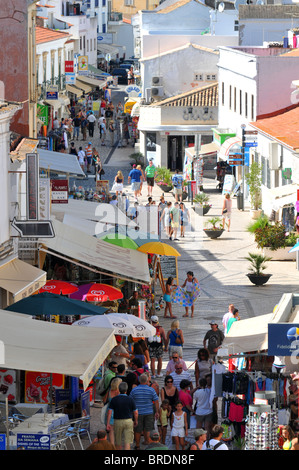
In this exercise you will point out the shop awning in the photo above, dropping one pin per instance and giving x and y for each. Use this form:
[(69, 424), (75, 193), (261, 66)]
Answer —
[(205, 150), (87, 210), (24, 147), (247, 335), (74, 90), (59, 162), (228, 146), (52, 347), (83, 86), (56, 104), (77, 245), (108, 49), (21, 279), (282, 195), (93, 82)]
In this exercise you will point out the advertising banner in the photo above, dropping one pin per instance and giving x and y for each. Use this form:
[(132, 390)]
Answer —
[(283, 339), (38, 386)]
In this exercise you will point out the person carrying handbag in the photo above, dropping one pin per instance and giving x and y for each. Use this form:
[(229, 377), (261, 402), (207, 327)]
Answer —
[(175, 339)]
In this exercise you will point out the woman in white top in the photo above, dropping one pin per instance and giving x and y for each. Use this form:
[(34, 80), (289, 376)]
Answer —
[(204, 410), (227, 210)]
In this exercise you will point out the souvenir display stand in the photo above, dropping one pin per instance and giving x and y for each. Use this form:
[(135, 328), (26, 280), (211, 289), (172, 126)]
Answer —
[(261, 427)]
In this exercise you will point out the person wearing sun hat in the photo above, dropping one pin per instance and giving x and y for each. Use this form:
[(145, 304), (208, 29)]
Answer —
[(200, 436), (119, 354), (155, 346)]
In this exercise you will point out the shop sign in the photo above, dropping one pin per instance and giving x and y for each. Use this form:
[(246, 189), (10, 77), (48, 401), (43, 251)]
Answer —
[(32, 185), (69, 66), (70, 78), (42, 114), (2, 441), (83, 65), (283, 340), (52, 92), (287, 173), (59, 191), (34, 441), (133, 90)]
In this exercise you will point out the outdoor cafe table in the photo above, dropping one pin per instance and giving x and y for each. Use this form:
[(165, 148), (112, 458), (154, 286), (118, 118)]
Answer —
[(39, 423), (29, 409)]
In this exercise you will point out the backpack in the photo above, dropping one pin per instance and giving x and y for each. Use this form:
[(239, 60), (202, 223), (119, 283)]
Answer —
[(215, 447), (101, 388)]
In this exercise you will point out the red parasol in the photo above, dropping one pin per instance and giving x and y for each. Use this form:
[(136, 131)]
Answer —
[(102, 293), (58, 287)]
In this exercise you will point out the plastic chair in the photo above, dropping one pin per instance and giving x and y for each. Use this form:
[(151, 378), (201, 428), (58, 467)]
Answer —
[(59, 437)]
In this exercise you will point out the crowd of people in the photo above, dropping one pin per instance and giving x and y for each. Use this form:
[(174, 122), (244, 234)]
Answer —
[(137, 411)]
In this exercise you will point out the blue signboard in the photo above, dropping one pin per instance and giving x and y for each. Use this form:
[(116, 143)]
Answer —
[(2, 441), (283, 340), (34, 441), (250, 144)]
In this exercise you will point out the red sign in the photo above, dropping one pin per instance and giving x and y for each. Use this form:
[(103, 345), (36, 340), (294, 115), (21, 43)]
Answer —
[(37, 386), (59, 191), (69, 66)]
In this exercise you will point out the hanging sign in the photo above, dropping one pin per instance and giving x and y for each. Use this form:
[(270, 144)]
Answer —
[(283, 340)]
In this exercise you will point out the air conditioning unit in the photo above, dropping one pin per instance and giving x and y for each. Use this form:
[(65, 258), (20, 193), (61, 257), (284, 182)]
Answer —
[(157, 81), (157, 92), (274, 156)]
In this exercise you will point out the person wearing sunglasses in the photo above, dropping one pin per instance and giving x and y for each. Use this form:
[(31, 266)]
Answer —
[(179, 374), (175, 359)]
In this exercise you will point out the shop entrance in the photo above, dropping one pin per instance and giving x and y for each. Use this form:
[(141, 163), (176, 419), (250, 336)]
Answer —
[(175, 152)]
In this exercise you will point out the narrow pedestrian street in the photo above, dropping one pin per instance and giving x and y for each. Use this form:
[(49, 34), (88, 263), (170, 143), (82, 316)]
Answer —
[(218, 264)]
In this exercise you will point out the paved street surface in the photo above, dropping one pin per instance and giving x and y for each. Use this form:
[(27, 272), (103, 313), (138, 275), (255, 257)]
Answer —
[(219, 264)]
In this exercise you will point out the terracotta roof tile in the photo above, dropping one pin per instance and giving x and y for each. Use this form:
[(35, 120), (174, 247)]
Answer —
[(46, 35), (282, 127), (203, 96)]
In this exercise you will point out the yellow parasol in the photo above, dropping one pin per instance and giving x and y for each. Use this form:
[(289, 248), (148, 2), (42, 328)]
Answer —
[(129, 105), (158, 248)]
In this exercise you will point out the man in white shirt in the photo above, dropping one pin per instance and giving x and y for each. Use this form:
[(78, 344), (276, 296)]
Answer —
[(215, 443), (226, 317), (81, 158), (91, 120), (179, 374)]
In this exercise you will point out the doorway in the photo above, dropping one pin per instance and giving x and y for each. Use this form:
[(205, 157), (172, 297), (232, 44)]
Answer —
[(174, 151)]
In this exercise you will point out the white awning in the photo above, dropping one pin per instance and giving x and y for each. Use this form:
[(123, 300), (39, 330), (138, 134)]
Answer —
[(247, 335), (59, 162), (88, 210), (205, 150), (93, 81), (108, 49), (52, 347), (74, 90), (83, 86), (77, 245), (21, 279)]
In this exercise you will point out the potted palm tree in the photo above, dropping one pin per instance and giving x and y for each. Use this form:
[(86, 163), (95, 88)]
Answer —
[(257, 266), (215, 227), (254, 181), (201, 203), (164, 179)]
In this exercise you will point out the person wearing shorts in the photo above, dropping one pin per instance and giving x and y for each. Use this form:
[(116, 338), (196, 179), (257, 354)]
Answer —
[(150, 173), (124, 411), (135, 178), (146, 400)]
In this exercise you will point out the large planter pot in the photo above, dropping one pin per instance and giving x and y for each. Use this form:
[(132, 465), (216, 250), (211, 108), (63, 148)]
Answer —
[(201, 210), (282, 254), (213, 233), (259, 280), (166, 188), (184, 195), (255, 213)]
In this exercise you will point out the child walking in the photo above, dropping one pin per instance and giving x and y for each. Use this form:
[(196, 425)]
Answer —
[(179, 426), (164, 413)]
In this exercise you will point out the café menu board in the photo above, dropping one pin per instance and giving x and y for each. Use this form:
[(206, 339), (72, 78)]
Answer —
[(169, 267)]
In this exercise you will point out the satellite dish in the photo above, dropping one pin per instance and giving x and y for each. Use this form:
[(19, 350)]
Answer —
[(221, 7)]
